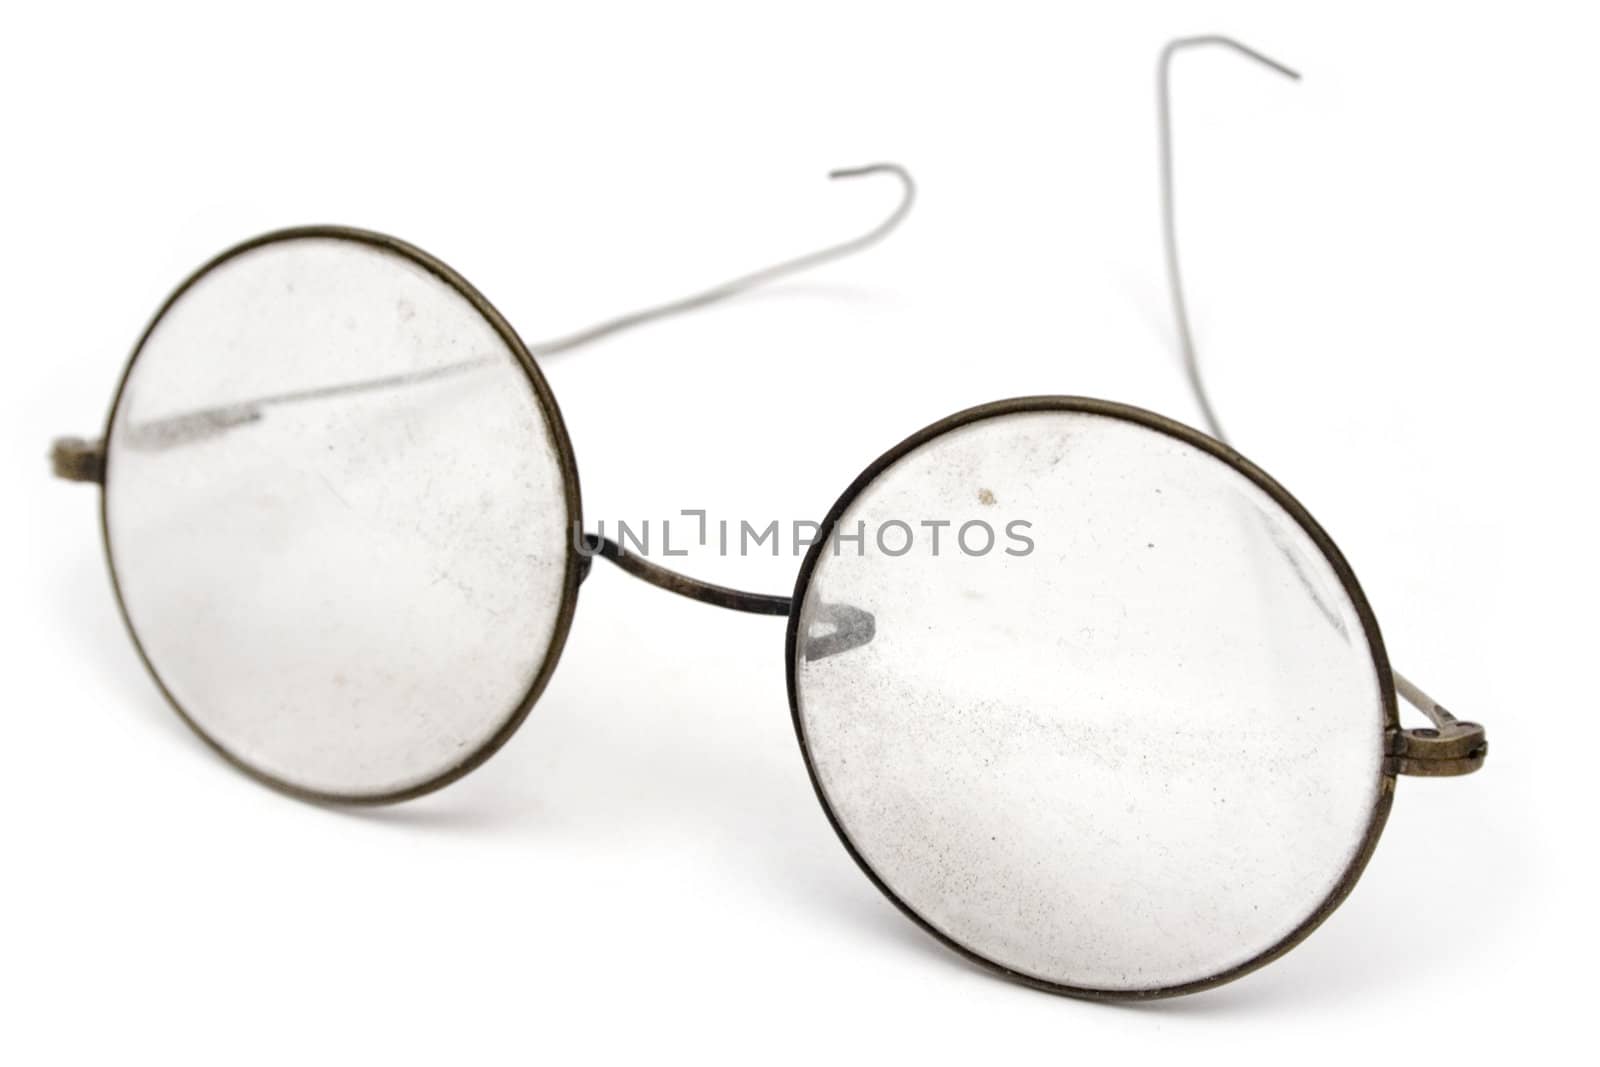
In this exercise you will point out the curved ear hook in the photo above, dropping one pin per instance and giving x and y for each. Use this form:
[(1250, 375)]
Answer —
[(82, 460), (1169, 222), (1450, 746), (735, 286)]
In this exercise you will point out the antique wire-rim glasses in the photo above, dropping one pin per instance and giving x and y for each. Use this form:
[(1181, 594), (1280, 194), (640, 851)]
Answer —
[(1142, 758)]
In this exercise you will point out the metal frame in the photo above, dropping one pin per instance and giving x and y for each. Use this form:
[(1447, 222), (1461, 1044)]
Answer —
[(1232, 459), (1449, 747), (104, 470)]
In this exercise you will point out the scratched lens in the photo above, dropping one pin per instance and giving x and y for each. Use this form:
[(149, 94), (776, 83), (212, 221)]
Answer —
[(336, 511), (1129, 740)]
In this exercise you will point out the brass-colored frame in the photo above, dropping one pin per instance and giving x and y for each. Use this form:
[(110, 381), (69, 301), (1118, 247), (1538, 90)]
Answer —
[(1384, 796), (559, 442), (1449, 747)]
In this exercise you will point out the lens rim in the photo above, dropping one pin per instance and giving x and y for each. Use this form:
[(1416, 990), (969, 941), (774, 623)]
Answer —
[(1384, 797), (559, 441)]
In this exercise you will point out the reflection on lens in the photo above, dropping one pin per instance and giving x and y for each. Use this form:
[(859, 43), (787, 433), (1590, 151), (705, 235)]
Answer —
[(1134, 758), (336, 510)]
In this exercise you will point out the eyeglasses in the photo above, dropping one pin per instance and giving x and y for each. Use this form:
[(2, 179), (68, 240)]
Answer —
[(1085, 693)]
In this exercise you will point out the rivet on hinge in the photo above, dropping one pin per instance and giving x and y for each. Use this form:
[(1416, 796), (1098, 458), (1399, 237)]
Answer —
[(1452, 749)]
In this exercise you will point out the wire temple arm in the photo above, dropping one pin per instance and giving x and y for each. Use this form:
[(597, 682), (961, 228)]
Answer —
[(80, 460), (1450, 746)]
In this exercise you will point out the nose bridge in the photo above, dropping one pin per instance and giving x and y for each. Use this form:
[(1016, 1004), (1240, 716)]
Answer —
[(706, 592)]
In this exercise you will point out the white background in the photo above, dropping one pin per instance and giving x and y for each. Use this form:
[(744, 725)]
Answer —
[(1393, 270)]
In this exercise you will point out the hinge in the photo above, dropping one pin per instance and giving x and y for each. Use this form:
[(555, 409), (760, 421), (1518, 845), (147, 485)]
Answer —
[(78, 460), (1438, 752)]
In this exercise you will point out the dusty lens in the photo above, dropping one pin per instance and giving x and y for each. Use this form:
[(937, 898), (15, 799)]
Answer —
[(336, 509), (1129, 740)]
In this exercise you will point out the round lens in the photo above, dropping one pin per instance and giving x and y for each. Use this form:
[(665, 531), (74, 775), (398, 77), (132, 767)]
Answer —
[(337, 502), (1091, 698)]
